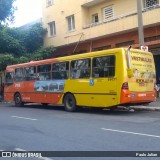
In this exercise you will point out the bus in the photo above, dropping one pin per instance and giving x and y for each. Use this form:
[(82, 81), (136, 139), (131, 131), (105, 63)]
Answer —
[(106, 79)]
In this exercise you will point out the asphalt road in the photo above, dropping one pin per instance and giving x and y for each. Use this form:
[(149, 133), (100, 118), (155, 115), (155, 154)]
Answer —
[(37, 128)]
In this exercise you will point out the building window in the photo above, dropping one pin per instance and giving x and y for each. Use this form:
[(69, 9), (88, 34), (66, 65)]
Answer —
[(154, 38), (80, 52), (127, 43), (52, 29), (95, 18), (107, 13), (71, 23), (102, 48), (49, 2), (150, 3)]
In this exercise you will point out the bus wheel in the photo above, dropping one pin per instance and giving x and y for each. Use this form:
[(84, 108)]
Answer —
[(69, 103), (18, 100)]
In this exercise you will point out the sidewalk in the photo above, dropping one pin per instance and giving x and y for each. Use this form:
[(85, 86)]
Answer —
[(154, 106)]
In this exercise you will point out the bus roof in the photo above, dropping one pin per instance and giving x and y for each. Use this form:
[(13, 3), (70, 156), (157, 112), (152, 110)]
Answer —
[(66, 58)]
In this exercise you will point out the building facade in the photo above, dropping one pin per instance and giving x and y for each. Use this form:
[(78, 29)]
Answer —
[(79, 26)]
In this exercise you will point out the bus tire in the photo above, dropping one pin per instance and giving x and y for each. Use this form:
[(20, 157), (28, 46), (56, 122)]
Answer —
[(70, 103), (18, 100)]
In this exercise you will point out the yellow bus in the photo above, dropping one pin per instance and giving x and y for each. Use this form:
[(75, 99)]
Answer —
[(105, 79)]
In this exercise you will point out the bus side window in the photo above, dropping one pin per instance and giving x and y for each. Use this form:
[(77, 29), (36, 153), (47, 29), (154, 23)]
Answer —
[(60, 70), (80, 69), (44, 72), (9, 78), (103, 66), (19, 74), (96, 70), (30, 73)]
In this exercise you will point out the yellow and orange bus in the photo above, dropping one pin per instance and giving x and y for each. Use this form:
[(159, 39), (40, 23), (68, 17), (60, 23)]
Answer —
[(105, 78)]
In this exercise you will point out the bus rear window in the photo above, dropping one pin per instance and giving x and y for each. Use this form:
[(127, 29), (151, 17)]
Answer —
[(103, 66)]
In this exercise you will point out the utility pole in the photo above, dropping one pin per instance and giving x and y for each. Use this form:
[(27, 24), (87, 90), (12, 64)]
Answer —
[(140, 23)]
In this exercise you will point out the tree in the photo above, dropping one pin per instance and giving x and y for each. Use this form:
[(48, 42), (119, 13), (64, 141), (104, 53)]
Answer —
[(9, 59), (33, 37), (10, 44), (18, 41), (6, 59), (19, 45), (43, 53), (6, 10)]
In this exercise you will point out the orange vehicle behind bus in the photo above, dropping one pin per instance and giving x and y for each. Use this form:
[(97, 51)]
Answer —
[(98, 79)]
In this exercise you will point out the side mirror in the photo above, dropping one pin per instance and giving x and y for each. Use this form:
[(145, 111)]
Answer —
[(130, 73)]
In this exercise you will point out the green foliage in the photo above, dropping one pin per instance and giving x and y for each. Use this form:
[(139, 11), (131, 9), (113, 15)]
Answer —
[(20, 45), (8, 59), (33, 37), (10, 44), (6, 10), (22, 59), (19, 41), (43, 53)]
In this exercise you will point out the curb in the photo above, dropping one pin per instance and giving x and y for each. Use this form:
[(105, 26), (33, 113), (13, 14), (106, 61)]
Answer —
[(3, 102), (136, 108), (145, 108)]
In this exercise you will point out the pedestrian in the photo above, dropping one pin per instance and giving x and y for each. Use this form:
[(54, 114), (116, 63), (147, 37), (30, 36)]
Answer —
[(157, 90)]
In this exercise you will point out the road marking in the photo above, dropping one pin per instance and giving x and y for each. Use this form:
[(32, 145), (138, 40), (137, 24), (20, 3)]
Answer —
[(141, 134), (45, 158), (22, 150), (24, 118), (19, 149)]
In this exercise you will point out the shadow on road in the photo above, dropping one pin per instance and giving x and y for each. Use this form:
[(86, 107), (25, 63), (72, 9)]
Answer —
[(84, 110)]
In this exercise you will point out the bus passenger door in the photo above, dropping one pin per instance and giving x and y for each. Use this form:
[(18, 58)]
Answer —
[(9, 86), (104, 81)]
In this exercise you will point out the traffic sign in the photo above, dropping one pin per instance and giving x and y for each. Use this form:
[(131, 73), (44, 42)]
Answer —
[(144, 48)]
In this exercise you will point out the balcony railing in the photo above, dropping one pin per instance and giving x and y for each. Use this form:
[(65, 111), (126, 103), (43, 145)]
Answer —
[(110, 19), (151, 7), (114, 18), (90, 3)]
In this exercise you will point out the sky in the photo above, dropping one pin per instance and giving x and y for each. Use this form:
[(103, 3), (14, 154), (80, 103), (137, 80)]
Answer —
[(27, 11)]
